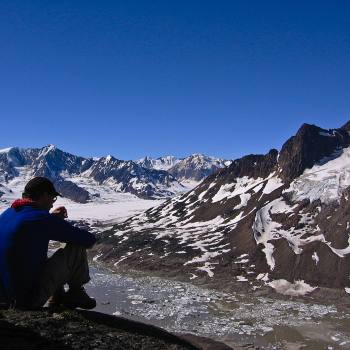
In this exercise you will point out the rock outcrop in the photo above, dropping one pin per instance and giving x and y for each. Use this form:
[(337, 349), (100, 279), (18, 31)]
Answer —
[(26, 330)]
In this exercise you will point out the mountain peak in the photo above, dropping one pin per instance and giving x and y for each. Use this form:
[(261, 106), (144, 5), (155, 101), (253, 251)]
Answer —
[(346, 126), (47, 149), (51, 147), (308, 146)]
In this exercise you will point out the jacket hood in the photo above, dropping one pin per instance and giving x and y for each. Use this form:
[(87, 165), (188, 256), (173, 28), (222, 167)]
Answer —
[(19, 203)]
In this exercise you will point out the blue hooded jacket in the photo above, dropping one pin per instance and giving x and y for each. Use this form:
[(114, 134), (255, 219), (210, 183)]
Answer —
[(25, 232)]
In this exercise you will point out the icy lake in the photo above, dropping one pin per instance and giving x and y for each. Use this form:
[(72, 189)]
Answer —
[(269, 323)]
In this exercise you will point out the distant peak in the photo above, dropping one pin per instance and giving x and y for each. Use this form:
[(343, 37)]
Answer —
[(197, 155), (47, 149), (6, 150), (108, 158)]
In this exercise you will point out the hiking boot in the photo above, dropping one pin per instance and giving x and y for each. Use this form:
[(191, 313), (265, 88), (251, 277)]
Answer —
[(78, 297), (56, 299)]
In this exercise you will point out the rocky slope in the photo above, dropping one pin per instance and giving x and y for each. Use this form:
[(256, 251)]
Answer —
[(262, 220)]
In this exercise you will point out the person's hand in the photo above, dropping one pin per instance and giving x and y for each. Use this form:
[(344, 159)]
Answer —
[(61, 212)]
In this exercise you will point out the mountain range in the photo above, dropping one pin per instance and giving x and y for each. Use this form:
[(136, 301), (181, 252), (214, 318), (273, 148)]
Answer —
[(72, 175), (195, 167), (275, 218)]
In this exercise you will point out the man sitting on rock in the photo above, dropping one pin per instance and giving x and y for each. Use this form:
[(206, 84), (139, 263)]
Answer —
[(28, 278)]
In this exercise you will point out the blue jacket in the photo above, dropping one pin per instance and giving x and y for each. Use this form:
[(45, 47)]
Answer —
[(25, 233)]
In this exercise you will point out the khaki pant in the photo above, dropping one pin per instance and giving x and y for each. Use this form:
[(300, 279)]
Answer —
[(67, 265)]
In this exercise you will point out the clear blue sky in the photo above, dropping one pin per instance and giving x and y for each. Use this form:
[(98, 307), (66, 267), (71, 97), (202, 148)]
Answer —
[(135, 78)]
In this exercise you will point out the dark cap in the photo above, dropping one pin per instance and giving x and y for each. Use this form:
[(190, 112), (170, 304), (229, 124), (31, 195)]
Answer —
[(38, 185)]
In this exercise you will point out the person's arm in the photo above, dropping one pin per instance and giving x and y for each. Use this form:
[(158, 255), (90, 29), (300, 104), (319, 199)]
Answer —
[(62, 231)]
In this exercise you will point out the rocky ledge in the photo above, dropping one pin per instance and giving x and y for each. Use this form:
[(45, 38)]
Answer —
[(81, 329)]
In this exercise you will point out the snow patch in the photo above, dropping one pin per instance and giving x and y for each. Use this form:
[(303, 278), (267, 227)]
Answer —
[(315, 258), (242, 185), (272, 185), (293, 289), (244, 197), (207, 268), (96, 257)]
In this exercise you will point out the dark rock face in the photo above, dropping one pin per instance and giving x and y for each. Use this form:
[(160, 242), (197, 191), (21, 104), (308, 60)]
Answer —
[(254, 166), (7, 170), (257, 218), (346, 126), (310, 145), (70, 190)]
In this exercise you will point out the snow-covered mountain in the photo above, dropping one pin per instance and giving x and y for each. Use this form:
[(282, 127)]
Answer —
[(161, 163), (128, 176), (196, 167), (73, 174), (263, 219), (192, 168), (146, 178)]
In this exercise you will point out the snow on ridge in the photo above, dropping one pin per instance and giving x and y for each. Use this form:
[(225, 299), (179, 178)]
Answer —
[(108, 158), (5, 150), (47, 150), (324, 181)]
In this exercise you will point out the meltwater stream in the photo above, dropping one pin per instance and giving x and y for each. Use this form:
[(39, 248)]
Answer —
[(231, 318)]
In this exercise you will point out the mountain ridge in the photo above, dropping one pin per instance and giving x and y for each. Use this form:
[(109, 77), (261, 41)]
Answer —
[(64, 169), (265, 218)]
